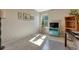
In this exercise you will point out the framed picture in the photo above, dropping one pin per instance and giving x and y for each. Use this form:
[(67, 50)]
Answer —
[(31, 17), (26, 16), (20, 15)]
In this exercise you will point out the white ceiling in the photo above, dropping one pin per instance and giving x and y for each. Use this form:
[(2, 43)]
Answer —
[(40, 10)]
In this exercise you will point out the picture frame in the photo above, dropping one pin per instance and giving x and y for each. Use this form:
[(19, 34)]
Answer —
[(26, 16), (31, 17), (20, 15)]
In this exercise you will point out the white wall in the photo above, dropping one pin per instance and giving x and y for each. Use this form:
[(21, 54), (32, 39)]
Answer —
[(13, 28)]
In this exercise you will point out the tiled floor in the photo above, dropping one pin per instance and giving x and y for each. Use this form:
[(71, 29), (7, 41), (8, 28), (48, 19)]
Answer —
[(50, 43)]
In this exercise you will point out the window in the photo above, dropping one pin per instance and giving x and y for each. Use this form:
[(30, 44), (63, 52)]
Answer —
[(44, 20)]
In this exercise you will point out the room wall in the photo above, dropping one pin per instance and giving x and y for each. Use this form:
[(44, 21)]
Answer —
[(57, 15), (14, 29)]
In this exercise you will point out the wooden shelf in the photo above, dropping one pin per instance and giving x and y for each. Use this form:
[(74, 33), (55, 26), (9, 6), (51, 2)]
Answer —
[(72, 23), (73, 29)]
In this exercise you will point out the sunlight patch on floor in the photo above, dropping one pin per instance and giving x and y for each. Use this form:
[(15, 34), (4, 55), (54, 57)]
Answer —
[(38, 39)]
